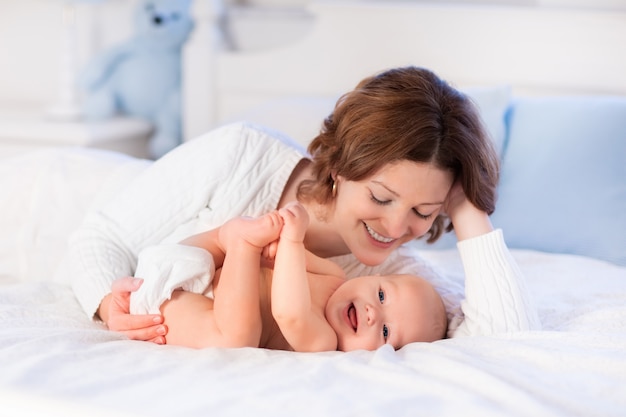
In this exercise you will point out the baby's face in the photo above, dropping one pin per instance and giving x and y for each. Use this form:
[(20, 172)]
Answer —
[(367, 312)]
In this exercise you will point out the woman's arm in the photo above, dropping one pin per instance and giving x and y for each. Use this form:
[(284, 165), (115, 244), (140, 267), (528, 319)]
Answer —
[(169, 193), (187, 190), (496, 297)]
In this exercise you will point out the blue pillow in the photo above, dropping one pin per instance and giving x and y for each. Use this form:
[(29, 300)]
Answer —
[(563, 183)]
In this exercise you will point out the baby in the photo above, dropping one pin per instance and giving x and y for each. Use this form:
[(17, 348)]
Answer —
[(268, 291)]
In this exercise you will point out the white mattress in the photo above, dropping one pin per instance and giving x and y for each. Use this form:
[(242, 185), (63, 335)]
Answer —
[(575, 367), (53, 358)]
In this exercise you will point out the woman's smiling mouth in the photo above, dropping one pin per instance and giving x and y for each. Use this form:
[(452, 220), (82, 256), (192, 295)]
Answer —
[(376, 236)]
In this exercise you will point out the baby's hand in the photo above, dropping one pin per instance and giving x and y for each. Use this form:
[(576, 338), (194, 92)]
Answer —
[(269, 254), (296, 221)]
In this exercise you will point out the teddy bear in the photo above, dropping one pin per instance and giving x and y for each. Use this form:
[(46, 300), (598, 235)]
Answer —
[(142, 76)]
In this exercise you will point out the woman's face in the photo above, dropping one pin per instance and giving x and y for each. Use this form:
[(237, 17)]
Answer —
[(395, 205)]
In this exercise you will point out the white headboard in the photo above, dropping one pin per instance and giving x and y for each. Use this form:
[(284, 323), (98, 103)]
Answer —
[(535, 50)]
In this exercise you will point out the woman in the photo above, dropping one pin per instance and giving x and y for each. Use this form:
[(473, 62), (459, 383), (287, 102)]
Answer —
[(402, 156)]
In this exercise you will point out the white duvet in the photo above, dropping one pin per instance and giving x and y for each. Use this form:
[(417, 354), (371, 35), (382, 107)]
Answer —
[(54, 361)]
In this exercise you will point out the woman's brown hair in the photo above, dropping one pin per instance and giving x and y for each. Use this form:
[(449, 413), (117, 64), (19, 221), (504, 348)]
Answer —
[(406, 113)]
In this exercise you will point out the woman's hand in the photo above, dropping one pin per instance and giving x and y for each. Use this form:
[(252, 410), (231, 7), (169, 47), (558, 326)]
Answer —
[(468, 220), (115, 312)]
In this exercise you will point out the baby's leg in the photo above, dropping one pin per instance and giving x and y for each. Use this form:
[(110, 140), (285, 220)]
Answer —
[(190, 321), (237, 309)]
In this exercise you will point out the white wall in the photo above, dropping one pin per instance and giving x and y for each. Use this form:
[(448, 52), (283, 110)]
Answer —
[(597, 4), (31, 35), (31, 40)]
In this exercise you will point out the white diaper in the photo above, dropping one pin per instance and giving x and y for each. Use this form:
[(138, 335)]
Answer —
[(167, 267)]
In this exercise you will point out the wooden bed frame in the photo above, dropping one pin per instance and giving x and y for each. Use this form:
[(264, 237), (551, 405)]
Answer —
[(535, 50)]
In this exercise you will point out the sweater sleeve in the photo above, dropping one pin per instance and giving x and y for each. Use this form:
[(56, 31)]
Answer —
[(496, 297), (196, 184)]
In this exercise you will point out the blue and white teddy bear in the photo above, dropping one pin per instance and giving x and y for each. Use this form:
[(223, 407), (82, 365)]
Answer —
[(142, 77)]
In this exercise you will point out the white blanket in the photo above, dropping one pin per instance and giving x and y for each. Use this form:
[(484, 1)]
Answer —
[(575, 367), (56, 362)]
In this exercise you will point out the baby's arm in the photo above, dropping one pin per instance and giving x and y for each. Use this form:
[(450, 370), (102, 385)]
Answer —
[(304, 328)]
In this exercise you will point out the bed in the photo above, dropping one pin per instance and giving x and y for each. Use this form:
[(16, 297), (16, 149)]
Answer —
[(552, 76)]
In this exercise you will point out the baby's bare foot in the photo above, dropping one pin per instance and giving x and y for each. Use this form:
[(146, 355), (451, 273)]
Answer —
[(258, 232)]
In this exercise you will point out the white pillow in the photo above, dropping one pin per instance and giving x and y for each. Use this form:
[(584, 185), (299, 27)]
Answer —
[(44, 196), (493, 104)]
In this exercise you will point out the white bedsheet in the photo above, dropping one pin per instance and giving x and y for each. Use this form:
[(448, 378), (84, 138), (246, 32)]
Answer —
[(575, 367), (52, 358)]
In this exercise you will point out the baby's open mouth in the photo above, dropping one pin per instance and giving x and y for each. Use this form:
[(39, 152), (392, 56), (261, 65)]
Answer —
[(352, 317)]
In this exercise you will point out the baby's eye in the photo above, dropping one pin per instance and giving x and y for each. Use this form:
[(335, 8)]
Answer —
[(381, 295), (385, 332)]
